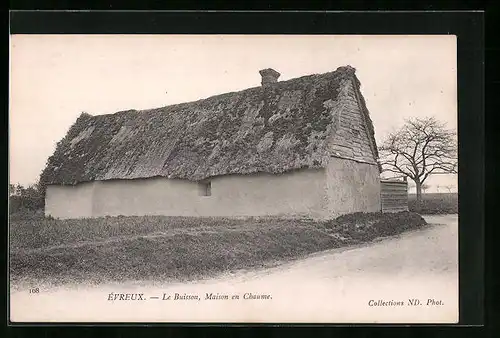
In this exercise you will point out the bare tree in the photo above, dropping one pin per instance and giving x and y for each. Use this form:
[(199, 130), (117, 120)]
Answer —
[(423, 146), (449, 187)]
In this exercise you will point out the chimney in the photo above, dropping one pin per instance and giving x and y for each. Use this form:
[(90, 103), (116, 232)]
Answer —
[(269, 76)]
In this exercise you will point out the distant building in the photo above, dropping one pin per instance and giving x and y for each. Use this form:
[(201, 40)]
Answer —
[(302, 147)]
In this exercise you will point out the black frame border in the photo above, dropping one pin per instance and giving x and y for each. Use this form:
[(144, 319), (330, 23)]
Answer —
[(467, 26)]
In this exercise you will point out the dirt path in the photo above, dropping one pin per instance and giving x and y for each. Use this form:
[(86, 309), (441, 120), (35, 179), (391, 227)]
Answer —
[(332, 286)]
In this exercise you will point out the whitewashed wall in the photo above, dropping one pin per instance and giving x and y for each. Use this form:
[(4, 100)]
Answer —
[(352, 187), (292, 194)]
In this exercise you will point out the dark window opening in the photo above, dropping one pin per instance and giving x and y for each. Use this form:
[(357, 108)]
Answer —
[(205, 188)]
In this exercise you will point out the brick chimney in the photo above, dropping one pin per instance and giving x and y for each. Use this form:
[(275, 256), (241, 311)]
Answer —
[(269, 76)]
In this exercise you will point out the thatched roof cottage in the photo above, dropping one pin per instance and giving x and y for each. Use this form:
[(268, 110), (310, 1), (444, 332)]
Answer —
[(302, 147)]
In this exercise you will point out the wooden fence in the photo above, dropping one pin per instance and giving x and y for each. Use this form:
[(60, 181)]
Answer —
[(394, 195)]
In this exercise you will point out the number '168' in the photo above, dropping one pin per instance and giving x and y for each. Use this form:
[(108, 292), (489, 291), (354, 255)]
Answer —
[(35, 290)]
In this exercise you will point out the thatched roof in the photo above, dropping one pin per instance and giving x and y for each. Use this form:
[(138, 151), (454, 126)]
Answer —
[(272, 129)]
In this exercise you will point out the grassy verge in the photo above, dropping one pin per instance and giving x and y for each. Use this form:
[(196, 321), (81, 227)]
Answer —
[(437, 203), (163, 248)]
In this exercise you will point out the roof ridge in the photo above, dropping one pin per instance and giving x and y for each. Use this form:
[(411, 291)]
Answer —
[(343, 69)]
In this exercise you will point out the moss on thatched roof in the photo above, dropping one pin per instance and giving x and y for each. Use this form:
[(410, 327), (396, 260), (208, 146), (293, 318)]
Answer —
[(271, 129)]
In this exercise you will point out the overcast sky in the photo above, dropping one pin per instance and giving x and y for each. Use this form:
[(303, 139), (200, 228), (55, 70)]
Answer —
[(56, 77)]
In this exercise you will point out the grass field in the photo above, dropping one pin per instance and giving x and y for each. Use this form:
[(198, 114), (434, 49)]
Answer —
[(435, 203), (180, 248)]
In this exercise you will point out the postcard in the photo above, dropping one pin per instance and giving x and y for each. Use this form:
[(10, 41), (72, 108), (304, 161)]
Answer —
[(233, 178)]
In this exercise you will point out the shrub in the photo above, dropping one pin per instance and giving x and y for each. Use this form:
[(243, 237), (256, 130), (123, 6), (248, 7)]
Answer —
[(26, 201)]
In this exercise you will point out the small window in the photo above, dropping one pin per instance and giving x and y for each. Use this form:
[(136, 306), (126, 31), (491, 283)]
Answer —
[(205, 188)]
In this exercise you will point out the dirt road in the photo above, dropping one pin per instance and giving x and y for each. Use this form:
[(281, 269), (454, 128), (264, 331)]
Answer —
[(409, 278)]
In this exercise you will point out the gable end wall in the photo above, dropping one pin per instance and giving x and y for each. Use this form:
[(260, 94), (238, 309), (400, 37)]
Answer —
[(352, 187), (351, 139), (352, 173)]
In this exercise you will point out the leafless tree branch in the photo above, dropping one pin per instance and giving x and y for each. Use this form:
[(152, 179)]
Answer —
[(423, 146)]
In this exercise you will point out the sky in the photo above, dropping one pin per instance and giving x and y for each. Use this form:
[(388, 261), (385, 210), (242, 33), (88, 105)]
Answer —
[(54, 78)]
